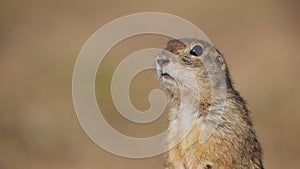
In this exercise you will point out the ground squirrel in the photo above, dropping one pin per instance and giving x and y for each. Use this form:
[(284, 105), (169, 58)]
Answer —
[(233, 144)]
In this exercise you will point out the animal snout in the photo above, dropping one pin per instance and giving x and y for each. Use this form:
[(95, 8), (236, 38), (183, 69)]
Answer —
[(162, 60)]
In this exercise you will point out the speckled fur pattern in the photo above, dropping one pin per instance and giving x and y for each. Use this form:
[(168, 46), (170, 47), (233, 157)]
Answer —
[(233, 145)]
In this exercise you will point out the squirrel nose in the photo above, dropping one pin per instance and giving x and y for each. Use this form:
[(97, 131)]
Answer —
[(162, 60)]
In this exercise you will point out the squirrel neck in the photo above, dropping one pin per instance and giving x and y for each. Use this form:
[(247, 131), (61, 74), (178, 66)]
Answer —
[(192, 102)]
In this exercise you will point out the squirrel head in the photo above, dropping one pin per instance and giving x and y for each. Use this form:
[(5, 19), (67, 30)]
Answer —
[(189, 64)]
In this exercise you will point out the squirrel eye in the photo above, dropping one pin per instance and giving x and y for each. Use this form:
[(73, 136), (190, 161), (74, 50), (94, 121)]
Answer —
[(197, 50)]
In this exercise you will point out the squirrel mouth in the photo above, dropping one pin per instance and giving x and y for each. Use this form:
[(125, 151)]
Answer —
[(166, 75)]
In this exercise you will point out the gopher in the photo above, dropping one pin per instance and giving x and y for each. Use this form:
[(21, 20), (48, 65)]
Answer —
[(204, 110)]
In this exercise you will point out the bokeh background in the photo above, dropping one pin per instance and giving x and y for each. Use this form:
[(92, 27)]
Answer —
[(39, 44)]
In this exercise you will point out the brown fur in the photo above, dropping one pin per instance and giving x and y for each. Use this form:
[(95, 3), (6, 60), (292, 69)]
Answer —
[(233, 145)]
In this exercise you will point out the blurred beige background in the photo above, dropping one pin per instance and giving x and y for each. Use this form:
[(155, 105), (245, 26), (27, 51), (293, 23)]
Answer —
[(39, 44)]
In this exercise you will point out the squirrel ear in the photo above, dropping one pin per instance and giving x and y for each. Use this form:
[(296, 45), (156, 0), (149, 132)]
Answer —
[(220, 60)]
